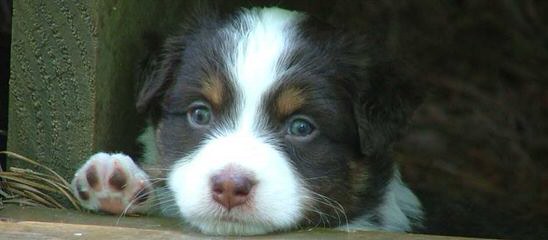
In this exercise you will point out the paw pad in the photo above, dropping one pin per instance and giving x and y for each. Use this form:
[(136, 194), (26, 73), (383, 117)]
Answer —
[(112, 183)]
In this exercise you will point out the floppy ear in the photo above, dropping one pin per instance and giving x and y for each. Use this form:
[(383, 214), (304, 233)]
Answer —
[(385, 104), (157, 73)]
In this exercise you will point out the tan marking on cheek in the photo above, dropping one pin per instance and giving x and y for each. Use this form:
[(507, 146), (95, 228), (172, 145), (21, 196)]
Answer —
[(212, 89), (289, 101)]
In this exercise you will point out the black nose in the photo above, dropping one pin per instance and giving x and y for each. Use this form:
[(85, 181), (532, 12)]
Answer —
[(231, 188)]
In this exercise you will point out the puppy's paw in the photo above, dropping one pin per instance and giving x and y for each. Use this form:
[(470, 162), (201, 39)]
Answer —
[(112, 183)]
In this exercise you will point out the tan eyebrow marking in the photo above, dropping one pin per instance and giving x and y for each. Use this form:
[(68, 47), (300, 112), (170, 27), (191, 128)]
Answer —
[(213, 90), (289, 100)]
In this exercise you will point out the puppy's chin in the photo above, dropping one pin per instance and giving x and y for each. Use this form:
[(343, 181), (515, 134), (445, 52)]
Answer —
[(231, 227), (275, 203), (240, 221)]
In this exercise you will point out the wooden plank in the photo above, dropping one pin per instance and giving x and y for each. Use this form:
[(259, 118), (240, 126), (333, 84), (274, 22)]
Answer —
[(16, 213), (41, 223), (46, 230), (52, 78), (72, 84), (43, 230)]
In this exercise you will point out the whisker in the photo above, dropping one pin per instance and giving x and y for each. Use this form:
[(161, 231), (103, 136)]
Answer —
[(323, 219), (156, 169), (318, 177), (333, 204), (131, 203)]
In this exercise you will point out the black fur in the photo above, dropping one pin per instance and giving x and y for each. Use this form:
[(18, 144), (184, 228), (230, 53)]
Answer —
[(356, 96)]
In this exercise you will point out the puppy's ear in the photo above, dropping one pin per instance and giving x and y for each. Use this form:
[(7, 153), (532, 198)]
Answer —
[(157, 73), (388, 96)]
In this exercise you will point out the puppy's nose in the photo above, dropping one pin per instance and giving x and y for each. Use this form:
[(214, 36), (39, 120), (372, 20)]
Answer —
[(231, 188)]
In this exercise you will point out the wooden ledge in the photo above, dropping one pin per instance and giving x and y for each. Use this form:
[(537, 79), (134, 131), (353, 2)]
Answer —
[(40, 223)]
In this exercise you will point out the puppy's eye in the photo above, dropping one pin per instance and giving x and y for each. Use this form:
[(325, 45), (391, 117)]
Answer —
[(199, 115), (300, 127)]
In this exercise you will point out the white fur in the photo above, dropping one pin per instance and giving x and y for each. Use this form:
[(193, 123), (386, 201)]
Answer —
[(399, 211), (402, 208), (278, 197), (277, 200), (256, 57)]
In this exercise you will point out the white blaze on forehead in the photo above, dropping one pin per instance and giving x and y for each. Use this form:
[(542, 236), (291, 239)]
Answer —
[(277, 201), (257, 55)]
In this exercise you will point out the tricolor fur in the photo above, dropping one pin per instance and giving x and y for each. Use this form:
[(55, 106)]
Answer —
[(306, 111)]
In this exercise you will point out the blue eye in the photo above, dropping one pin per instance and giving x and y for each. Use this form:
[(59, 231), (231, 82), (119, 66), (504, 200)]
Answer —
[(199, 115), (300, 127)]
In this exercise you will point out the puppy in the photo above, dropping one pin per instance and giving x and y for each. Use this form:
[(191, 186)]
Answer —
[(265, 120)]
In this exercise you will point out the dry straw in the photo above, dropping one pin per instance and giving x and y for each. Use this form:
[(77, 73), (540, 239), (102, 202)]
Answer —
[(28, 187)]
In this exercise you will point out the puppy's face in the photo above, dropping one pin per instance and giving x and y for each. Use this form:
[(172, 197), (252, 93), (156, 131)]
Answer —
[(262, 120)]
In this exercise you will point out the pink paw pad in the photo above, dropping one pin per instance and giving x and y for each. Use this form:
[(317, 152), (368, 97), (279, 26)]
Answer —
[(112, 183)]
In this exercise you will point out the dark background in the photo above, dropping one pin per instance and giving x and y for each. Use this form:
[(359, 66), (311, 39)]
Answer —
[(476, 150), (5, 40)]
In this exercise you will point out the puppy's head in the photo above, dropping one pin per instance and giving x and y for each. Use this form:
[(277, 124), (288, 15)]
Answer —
[(271, 121)]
